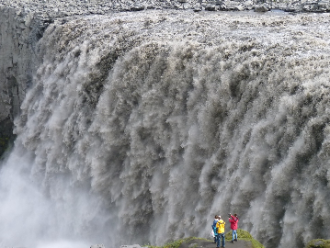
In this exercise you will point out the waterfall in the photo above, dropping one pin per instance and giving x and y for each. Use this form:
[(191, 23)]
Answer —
[(139, 128)]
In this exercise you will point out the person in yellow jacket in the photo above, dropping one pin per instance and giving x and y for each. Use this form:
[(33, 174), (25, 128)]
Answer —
[(221, 232)]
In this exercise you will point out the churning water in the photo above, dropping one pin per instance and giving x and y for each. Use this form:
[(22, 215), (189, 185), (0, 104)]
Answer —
[(141, 127)]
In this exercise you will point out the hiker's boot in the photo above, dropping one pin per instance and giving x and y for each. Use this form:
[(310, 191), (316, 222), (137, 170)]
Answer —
[(235, 239), (232, 241)]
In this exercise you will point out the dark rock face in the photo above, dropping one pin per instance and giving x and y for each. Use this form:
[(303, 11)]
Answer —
[(5, 134), (19, 32)]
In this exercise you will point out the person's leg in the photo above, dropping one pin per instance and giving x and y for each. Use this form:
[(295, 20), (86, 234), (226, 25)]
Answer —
[(223, 239), (235, 235), (218, 240), (219, 237)]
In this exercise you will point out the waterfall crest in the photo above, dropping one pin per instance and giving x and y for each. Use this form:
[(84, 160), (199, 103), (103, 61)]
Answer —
[(139, 128)]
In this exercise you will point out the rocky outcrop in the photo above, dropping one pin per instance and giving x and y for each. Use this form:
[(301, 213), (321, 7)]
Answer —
[(19, 32)]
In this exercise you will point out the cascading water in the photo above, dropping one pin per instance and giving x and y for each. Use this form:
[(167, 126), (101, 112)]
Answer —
[(140, 127)]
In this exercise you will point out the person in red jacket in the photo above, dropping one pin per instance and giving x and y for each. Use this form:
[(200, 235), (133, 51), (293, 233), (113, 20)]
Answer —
[(233, 226)]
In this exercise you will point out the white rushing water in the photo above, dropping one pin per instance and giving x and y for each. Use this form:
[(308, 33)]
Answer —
[(139, 128)]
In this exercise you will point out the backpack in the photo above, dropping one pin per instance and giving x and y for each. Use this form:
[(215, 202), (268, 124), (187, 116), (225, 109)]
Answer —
[(214, 226)]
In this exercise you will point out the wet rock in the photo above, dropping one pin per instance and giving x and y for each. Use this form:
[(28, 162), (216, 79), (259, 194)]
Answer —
[(5, 134), (18, 36)]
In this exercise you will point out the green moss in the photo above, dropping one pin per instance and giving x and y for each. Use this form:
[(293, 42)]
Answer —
[(244, 235), (241, 234), (256, 244), (318, 243), (177, 243), (195, 242)]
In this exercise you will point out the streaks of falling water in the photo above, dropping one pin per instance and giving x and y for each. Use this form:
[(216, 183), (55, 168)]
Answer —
[(141, 127)]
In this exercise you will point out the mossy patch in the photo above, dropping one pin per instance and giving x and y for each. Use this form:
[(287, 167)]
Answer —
[(241, 234), (318, 243), (244, 235), (194, 242), (190, 242)]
